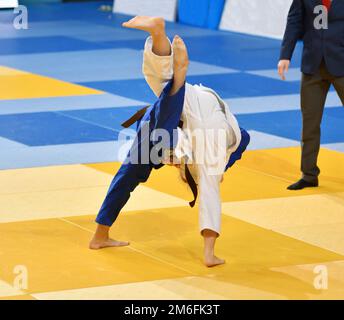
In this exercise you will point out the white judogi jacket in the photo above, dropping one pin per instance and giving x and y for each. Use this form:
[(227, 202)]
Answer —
[(205, 112)]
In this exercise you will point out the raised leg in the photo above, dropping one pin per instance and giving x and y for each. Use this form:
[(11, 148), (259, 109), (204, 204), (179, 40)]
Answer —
[(180, 64), (155, 26)]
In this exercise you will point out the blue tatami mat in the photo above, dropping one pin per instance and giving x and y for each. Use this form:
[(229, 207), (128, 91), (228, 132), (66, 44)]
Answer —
[(77, 43)]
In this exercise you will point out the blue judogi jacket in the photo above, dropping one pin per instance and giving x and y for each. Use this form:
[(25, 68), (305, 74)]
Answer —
[(165, 114)]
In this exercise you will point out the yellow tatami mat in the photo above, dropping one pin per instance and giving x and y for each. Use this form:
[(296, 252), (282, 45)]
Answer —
[(35, 86), (173, 289), (6, 290), (164, 245), (317, 219), (273, 240), (49, 192), (260, 174)]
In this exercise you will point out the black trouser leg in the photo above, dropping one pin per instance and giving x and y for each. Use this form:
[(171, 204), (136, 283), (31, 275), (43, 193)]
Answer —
[(314, 89)]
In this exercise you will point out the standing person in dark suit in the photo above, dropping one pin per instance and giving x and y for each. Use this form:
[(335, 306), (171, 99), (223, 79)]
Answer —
[(320, 23)]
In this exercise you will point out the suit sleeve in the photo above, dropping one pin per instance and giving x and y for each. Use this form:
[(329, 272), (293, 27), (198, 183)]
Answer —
[(294, 30)]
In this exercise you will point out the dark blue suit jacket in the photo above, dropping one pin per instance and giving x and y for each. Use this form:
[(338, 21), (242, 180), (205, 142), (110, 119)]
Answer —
[(327, 44)]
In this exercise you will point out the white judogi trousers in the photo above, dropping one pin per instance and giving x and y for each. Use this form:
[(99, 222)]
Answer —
[(209, 135)]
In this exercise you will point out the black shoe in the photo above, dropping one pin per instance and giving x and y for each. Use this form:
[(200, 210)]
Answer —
[(301, 184)]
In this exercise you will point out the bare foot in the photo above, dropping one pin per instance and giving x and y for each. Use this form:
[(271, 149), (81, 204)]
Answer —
[(213, 261), (180, 63), (145, 23), (99, 244), (180, 58)]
